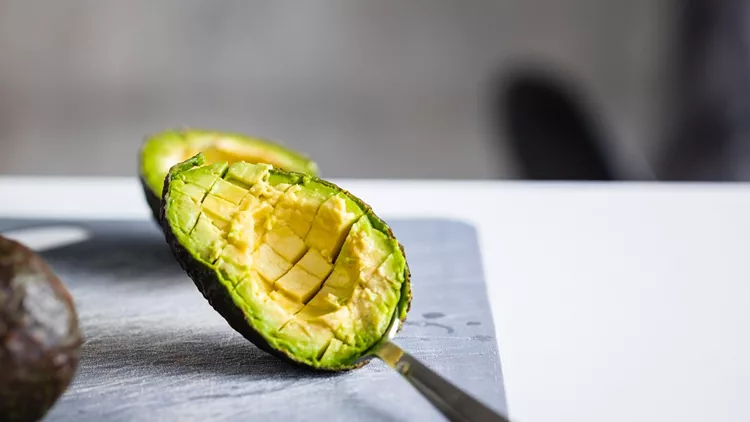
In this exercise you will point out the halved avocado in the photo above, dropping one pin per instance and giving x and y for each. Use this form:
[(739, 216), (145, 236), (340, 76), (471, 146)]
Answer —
[(162, 150), (39, 335), (298, 266)]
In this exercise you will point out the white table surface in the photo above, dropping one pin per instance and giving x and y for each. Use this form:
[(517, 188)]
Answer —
[(612, 302)]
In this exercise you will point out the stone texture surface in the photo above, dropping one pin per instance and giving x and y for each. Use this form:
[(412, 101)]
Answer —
[(156, 351)]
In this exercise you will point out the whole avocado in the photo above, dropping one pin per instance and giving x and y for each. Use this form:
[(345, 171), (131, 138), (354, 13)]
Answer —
[(39, 335)]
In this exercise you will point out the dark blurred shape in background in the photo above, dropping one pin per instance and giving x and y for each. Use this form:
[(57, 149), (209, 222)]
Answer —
[(709, 133), (644, 89), (700, 106), (552, 132)]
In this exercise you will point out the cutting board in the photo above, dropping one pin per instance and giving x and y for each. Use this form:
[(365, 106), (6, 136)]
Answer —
[(156, 351)]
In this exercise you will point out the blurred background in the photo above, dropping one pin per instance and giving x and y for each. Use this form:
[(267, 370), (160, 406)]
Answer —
[(472, 89)]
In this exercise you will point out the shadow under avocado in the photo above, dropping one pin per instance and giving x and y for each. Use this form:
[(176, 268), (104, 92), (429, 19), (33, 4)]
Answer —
[(131, 253), (155, 354)]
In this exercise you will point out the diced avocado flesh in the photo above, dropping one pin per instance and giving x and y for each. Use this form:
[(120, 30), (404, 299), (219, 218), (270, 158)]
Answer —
[(163, 150), (303, 261)]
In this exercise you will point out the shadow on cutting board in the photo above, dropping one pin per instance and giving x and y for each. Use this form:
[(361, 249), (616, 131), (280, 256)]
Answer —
[(118, 260), (112, 252), (196, 354)]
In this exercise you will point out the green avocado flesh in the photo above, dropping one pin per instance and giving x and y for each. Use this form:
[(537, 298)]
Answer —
[(314, 272), (163, 150)]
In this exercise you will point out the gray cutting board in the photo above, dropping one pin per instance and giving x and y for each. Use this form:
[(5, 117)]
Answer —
[(156, 351)]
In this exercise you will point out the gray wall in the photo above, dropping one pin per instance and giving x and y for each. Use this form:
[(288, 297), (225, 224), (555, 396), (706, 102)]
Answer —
[(368, 88)]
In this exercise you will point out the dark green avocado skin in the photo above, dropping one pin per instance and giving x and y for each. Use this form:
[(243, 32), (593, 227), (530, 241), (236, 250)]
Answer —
[(208, 284), (39, 335), (153, 201)]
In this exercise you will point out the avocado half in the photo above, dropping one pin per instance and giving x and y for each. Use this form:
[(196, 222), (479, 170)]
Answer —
[(39, 335), (298, 266), (161, 151)]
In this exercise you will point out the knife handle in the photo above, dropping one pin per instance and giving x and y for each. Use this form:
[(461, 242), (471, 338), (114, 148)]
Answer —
[(453, 403)]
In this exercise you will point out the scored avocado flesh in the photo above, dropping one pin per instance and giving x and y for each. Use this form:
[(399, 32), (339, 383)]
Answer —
[(314, 273), (163, 150)]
